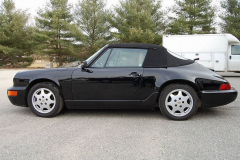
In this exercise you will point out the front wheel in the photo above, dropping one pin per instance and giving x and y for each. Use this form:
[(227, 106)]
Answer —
[(178, 102), (44, 100)]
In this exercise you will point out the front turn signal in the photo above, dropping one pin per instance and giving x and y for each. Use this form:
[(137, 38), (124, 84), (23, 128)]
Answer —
[(12, 93), (225, 87)]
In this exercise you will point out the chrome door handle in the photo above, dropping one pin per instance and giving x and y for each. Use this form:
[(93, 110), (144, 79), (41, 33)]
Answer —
[(135, 74)]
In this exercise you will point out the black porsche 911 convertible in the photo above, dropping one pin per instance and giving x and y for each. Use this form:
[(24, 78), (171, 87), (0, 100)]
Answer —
[(126, 76)]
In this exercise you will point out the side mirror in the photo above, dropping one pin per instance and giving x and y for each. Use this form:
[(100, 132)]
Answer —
[(84, 65)]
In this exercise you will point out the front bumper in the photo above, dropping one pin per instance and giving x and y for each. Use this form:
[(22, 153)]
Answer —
[(218, 98), (20, 99)]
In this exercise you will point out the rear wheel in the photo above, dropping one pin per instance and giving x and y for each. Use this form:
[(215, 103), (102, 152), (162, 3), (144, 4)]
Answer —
[(178, 102), (44, 100)]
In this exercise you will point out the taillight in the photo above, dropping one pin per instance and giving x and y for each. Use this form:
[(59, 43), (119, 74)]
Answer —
[(225, 87)]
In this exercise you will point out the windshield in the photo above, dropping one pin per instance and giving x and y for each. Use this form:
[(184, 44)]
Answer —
[(95, 54)]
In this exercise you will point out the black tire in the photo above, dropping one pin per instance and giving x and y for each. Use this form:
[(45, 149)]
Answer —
[(48, 89), (177, 107)]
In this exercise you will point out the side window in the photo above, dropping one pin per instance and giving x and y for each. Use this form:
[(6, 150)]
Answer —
[(123, 57), (236, 50), (102, 60)]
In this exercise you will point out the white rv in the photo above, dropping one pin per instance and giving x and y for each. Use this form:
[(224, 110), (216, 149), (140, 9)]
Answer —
[(220, 52)]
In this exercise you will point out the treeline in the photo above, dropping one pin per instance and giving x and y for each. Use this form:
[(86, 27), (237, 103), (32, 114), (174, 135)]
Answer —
[(63, 30)]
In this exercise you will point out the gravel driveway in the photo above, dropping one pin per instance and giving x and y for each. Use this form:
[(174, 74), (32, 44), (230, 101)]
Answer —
[(107, 134)]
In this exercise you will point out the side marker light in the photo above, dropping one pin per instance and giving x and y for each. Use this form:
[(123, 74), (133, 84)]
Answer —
[(12, 93)]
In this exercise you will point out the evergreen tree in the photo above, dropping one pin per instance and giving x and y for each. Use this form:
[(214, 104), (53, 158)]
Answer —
[(90, 16), (54, 23), (15, 40), (139, 21), (192, 16), (231, 17)]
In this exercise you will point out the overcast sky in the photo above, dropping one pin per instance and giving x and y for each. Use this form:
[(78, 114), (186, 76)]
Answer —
[(33, 5)]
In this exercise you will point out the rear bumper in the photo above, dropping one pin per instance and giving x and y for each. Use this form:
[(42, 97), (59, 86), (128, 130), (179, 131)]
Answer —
[(218, 98), (20, 99)]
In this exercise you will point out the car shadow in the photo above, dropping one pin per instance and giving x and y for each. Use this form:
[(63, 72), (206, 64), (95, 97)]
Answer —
[(202, 113), (113, 113), (208, 113), (211, 113)]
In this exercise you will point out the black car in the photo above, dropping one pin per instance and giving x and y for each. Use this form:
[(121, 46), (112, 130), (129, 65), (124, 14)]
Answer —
[(126, 76)]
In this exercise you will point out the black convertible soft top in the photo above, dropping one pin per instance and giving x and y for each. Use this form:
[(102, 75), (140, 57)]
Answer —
[(157, 56)]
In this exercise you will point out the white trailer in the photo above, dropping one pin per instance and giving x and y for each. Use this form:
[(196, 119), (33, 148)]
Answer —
[(220, 52)]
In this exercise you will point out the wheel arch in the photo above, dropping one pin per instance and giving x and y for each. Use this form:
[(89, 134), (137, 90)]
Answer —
[(36, 81), (179, 81)]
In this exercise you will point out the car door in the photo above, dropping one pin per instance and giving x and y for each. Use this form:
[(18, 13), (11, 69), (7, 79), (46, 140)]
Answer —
[(113, 77), (234, 58)]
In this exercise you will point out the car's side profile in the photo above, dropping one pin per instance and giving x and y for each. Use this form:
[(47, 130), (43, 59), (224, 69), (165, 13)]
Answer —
[(129, 76)]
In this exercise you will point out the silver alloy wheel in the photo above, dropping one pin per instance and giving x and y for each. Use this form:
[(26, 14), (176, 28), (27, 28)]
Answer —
[(179, 102), (43, 100)]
